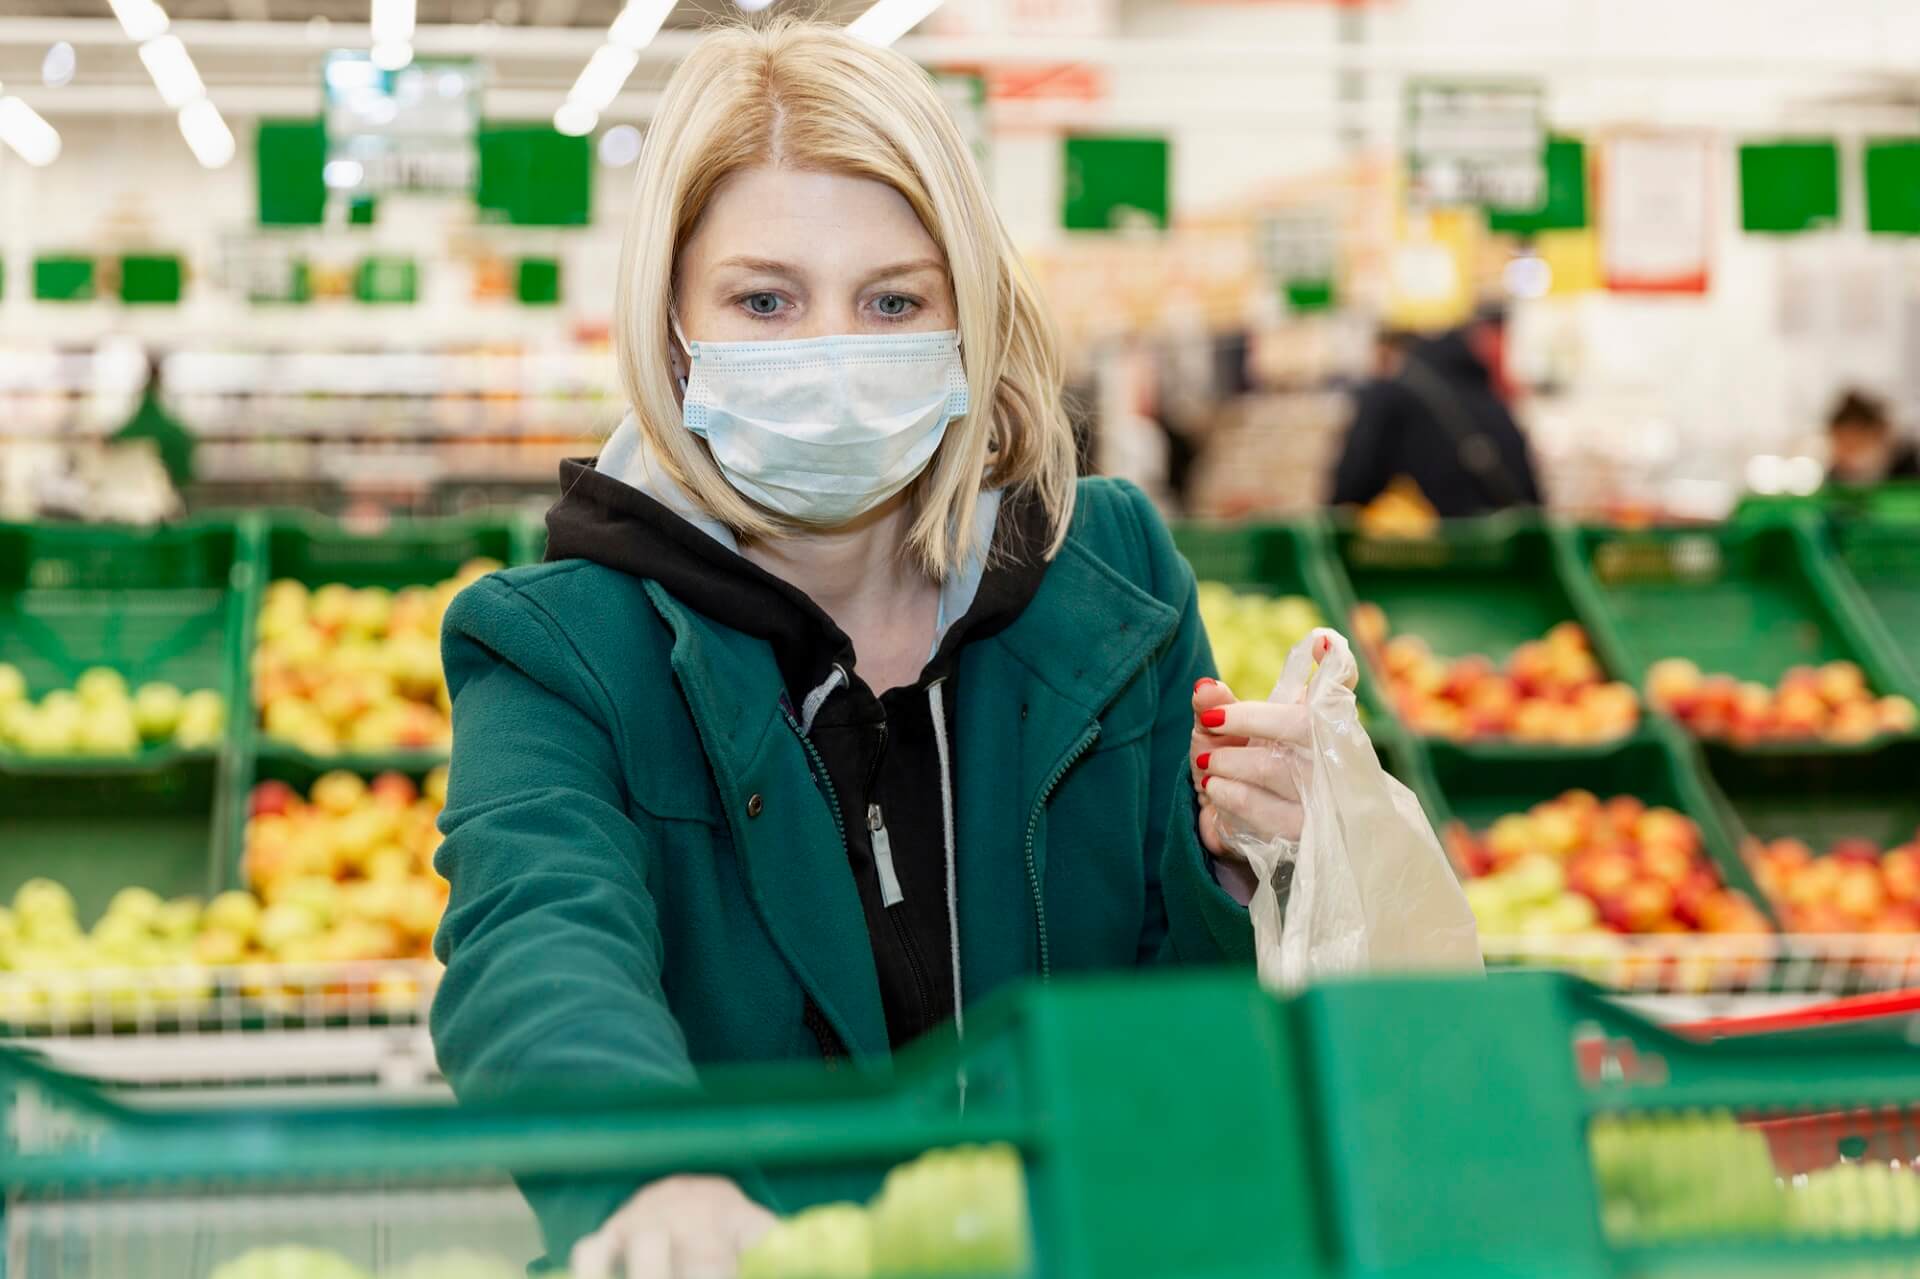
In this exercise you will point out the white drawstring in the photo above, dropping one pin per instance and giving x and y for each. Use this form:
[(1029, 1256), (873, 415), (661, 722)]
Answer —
[(818, 698), (936, 702)]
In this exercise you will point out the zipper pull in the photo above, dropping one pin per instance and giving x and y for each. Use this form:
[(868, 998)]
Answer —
[(890, 894)]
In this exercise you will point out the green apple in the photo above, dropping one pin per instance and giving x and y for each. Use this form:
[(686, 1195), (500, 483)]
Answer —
[(156, 709), (456, 1263), (100, 686), (41, 901), (108, 728), (139, 905), (178, 920), (13, 685), (203, 719), (235, 912), (953, 1212), (833, 1241), (288, 1261), (52, 729)]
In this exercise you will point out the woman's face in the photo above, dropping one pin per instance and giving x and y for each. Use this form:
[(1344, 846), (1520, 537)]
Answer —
[(784, 253)]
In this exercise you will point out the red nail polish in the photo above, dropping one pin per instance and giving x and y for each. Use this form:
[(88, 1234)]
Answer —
[(1201, 763), (1206, 781), (1201, 683), (1213, 718)]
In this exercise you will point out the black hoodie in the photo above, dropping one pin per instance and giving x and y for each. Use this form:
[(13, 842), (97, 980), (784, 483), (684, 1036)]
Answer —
[(1398, 429), (878, 750)]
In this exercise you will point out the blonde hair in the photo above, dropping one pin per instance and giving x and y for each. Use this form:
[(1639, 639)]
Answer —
[(806, 96)]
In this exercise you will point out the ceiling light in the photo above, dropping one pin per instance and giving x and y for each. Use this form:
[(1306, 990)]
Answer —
[(392, 22), (57, 68), (888, 20), (142, 20), (172, 70), (601, 79), (639, 22), (575, 119), (392, 57), (619, 146), (343, 175), (31, 137), (207, 135)]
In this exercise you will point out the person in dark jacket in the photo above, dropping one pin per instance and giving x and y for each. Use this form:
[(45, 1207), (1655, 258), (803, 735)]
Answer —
[(839, 703), (1440, 421), (1863, 448)]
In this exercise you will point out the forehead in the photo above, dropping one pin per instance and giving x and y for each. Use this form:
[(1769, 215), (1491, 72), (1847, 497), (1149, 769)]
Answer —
[(830, 223)]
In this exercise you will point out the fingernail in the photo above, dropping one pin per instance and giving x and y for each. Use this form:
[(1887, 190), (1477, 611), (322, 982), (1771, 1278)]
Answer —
[(1213, 718), (1206, 781), (1201, 683), (1201, 763)]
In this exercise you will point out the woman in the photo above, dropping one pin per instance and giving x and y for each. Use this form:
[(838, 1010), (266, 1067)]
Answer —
[(838, 704)]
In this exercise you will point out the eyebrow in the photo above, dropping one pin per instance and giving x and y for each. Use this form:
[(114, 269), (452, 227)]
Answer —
[(771, 266)]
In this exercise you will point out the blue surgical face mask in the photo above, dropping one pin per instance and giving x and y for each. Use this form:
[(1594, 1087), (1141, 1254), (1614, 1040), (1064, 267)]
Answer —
[(822, 430)]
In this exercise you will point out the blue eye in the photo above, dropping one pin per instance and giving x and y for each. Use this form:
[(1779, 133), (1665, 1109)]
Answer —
[(893, 306), (762, 303)]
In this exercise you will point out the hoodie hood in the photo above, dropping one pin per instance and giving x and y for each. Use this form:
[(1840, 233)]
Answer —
[(623, 510)]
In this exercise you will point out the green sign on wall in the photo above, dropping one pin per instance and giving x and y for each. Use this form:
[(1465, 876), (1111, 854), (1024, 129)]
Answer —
[(387, 280), (1563, 204), (1788, 187), (538, 282), (1893, 186), (533, 175), (1115, 182), (59, 278), (290, 160), (150, 279)]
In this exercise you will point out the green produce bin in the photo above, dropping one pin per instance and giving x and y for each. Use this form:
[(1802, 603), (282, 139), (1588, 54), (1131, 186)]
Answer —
[(1871, 792), (154, 604), (1393, 1127), (1880, 563), (408, 553), (1749, 600), (101, 827), (1482, 586), (1258, 559), (1659, 768)]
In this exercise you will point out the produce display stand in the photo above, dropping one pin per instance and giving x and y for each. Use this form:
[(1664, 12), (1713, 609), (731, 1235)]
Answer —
[(1316, 1153), (1879, 563), (1750, 600), (1262, 559), (1481, 586)]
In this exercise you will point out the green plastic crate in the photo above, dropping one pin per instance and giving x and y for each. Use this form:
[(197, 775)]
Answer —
[(1482, 586), (1388, 1127), (1869, 793), (416, 553), (1748, 600), (154, 604), (1880, 562), (1659, 767), (100, 828), (1259, 559)]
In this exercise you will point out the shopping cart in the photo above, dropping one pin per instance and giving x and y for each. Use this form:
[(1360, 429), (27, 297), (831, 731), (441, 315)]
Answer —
[(1170, 1125)]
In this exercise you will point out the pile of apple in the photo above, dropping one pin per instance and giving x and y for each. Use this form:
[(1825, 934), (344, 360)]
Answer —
[(344, 669), (1576, 865), (100, 716), (1855, 888), (1551, 691), (345, 873), (1831, 703), (1251, 635)]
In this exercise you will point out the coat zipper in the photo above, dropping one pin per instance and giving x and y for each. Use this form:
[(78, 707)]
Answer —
[(881, 847), (1033, 824)]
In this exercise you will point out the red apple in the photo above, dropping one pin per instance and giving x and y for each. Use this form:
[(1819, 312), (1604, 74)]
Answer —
[(272, 797), (1854, 849), (395, 790), (1900, 871)]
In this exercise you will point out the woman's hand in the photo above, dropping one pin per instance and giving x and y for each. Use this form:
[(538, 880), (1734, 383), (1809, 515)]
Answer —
[(1243, 756), (676, 1228)]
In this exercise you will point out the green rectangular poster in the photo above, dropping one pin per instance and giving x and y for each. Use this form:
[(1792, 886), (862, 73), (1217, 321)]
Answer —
[(1563, 206), (538, 281), (150, 279), (1892, 168), (289, 170), (1788, 187), (1111, 183), (59, 278), (533, 175), (387, 280)]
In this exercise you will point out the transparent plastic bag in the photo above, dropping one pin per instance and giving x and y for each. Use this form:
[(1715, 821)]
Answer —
[(1371, 890)]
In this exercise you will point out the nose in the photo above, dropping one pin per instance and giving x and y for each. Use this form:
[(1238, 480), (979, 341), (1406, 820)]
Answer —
[(829, 317)]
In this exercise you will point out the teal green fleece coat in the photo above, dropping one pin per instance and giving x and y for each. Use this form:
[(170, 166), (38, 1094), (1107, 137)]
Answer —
[(647, 877)]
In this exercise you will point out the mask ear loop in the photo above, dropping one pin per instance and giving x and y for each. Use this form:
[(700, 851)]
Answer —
[(673, 321)]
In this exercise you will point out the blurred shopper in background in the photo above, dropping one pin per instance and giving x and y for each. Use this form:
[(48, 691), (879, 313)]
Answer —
[(1862, 445), (1441, 422), (151, 423)]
